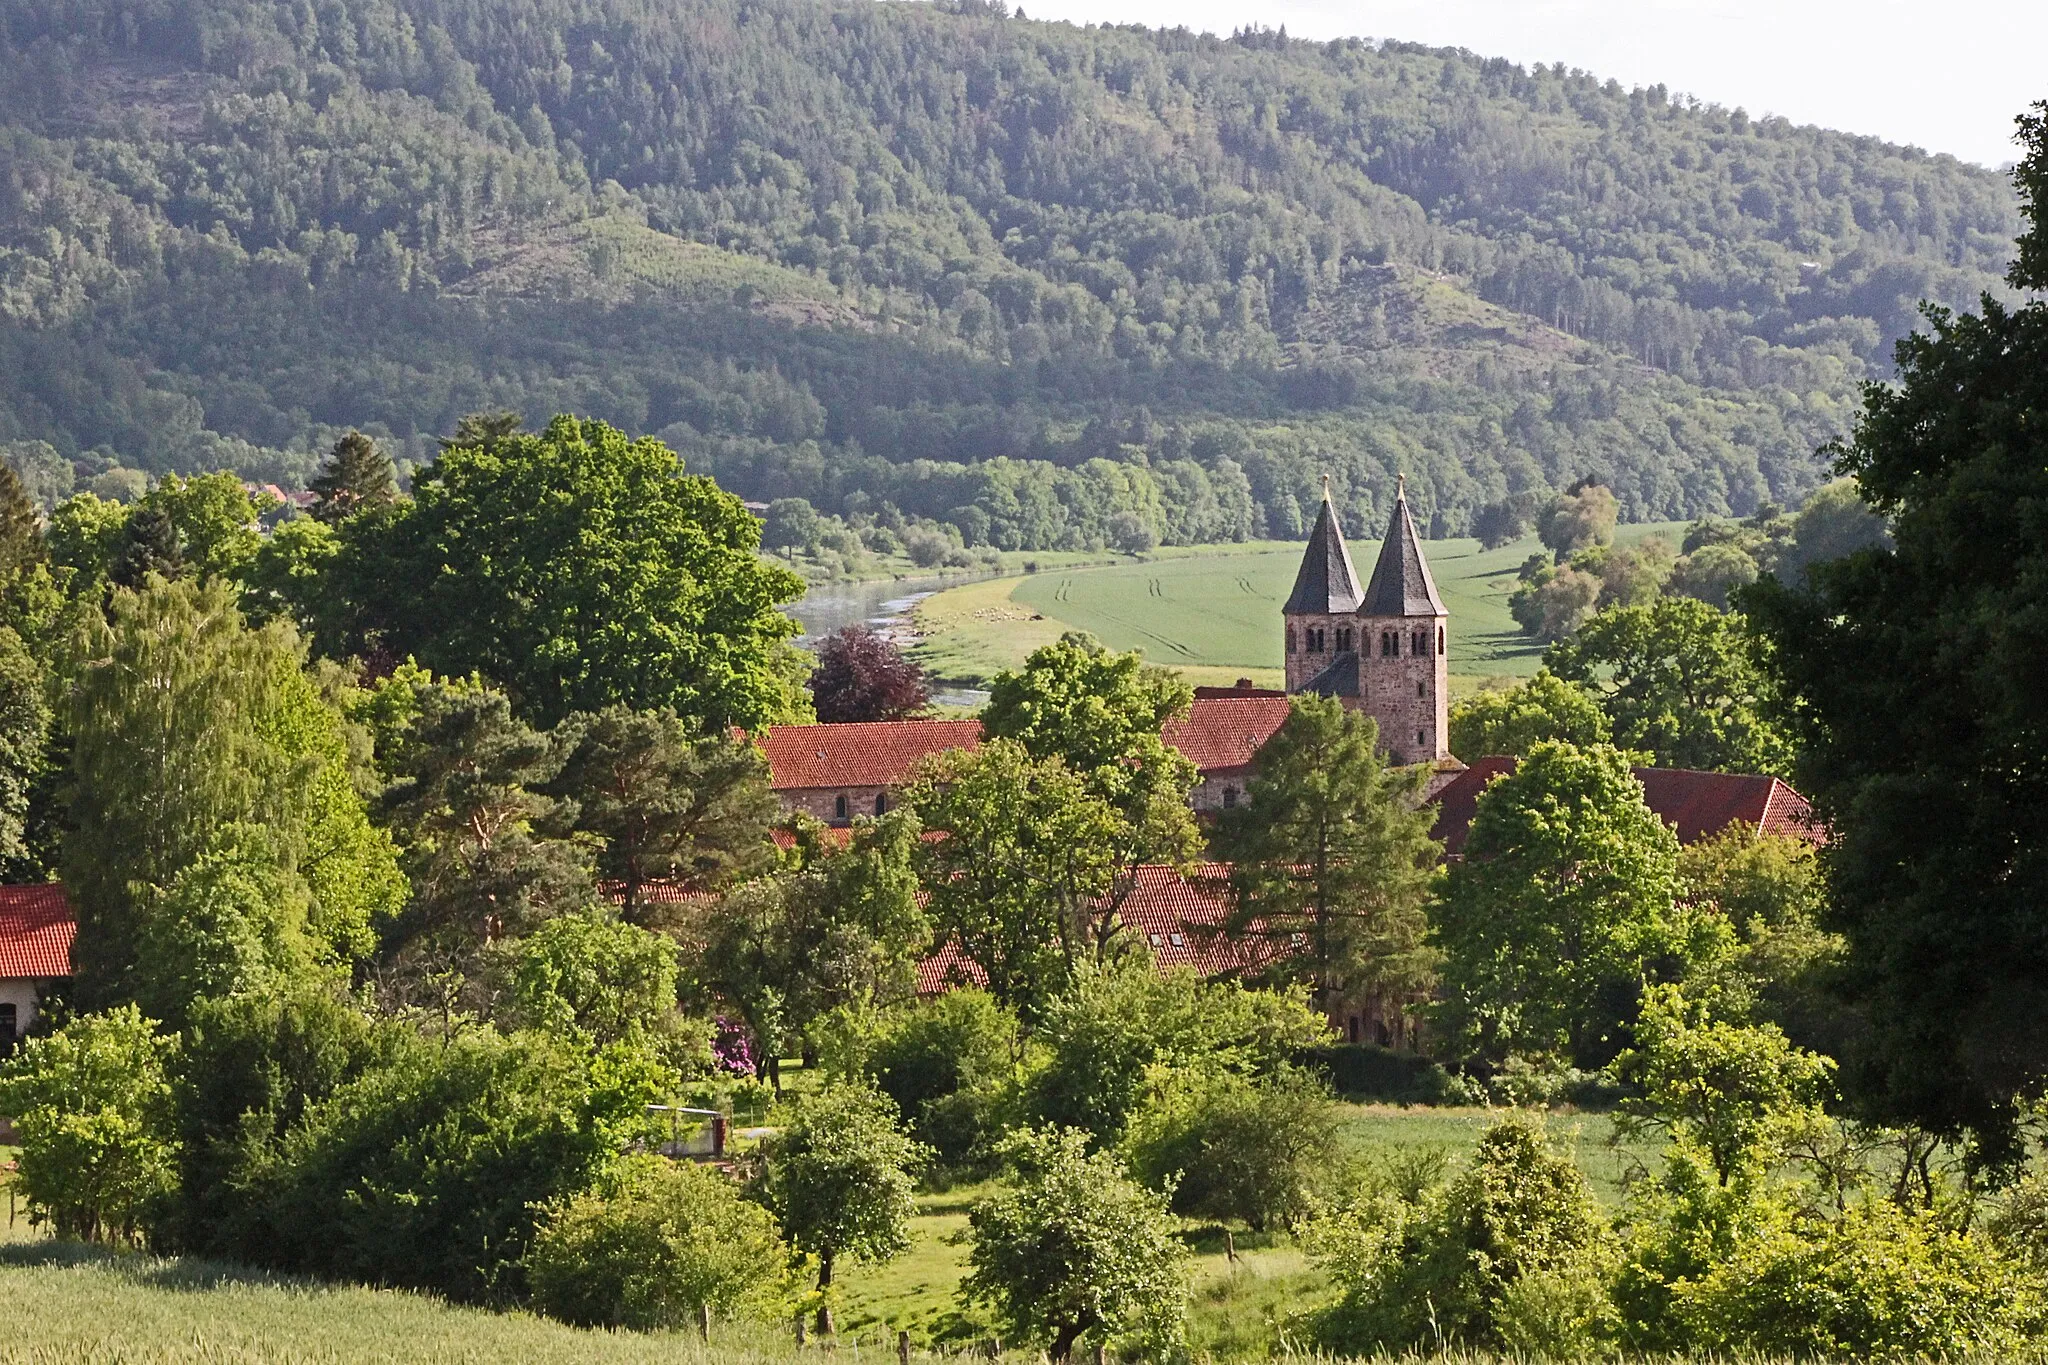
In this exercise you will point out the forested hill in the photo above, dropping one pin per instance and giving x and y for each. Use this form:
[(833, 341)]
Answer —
[(945, 257)]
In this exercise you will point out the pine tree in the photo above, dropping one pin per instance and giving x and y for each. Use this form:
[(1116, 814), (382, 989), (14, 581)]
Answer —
[(1332, 863), (358, 477), (149, 545)]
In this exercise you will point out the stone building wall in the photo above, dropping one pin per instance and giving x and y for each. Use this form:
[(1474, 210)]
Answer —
[(1339, 633), (1408, 693)]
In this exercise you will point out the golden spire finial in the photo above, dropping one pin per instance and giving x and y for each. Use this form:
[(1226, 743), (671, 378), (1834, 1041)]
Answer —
[(1326, 485), (1401, 485)]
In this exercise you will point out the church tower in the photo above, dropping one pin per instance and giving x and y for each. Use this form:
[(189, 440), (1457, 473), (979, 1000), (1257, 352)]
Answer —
[(1382, 650), (1320, 617)]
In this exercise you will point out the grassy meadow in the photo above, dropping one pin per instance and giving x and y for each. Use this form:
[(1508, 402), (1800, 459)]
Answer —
[(1214, 612), (67, 1303)]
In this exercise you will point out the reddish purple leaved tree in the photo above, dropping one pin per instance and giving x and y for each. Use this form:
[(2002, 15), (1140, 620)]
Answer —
[(861, 675)]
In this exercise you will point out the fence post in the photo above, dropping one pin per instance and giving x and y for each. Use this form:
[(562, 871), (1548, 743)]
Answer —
[(704, 1321), (799, 1329), (902, 1348)]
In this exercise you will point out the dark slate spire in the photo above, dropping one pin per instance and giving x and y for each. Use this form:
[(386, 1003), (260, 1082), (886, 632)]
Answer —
[(1401, 585), (1327, 584)]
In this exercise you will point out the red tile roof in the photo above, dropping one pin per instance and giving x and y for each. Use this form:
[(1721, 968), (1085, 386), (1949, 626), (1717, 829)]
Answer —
[(882, 753), (36, 930), (1177, 917), (1695, 804), (1220, 734)]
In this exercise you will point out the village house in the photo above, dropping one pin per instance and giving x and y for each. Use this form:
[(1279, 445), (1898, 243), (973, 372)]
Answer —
[(36, 931)]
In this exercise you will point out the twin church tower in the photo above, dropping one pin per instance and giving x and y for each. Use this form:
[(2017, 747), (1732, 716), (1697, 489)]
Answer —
[(1382, 650)]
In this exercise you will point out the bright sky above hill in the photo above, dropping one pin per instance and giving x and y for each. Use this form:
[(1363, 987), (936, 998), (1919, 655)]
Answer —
[(1947, 75)]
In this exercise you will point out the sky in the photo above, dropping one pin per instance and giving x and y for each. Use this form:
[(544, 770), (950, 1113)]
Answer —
[(1946, 75)]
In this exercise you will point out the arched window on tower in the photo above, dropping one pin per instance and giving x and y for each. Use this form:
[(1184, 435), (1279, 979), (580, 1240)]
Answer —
[(1440, 641), (1343, 639), (1290, 639)]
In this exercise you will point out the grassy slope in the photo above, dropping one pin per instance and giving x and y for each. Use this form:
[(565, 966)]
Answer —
[(1214, 613)]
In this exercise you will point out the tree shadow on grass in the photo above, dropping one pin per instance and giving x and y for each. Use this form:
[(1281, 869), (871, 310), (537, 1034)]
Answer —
[(188, 1274)]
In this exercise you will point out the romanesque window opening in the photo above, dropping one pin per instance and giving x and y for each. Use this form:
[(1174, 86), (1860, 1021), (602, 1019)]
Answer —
[(1290, 639), (839, 806), (881, 803)]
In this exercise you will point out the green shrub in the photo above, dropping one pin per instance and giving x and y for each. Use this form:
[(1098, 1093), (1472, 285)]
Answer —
[(1367, 1071), (1230, 1147), (941, 1061), (1105, 1036), (91, 1110), (250, 1067), (428, 1170), (652, 1244), (1879, 1282), (1449, 1265)]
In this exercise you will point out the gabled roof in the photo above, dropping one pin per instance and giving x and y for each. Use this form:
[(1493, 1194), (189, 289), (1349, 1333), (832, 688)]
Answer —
[(1401, 585), (36, 932), (882, 753), (1220, 734), (1326, 583), (1696, 805), (1339, 678)]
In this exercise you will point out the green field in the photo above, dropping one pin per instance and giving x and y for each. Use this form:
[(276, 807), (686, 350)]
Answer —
[(1216, 615)]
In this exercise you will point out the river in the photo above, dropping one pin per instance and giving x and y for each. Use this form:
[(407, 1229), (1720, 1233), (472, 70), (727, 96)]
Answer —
[(883, 603)]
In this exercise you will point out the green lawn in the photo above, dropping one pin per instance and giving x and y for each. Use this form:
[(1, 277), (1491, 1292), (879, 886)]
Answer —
[(1216, 614)]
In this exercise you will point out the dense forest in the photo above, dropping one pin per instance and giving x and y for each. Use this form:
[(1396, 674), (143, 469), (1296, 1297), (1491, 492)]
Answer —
[(941, 257)]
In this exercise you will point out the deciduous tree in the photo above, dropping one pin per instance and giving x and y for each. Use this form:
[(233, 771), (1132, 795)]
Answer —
[(1028, 854), (839, 1178), (1509, 723), (1562, 906), (1682, 682), (579, 569), (862, 676), (1917, 677), (1075, 1246)]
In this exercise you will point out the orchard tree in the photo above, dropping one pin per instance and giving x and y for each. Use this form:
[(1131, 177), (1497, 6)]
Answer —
[(1029, 853), (1563, 904), (1076, 1247), (1331, 863), (579, 569), (862, 676), (358, 477), (669, 805), (1509, 723), (1917, 677), (1682, 682), (840, 1178)]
